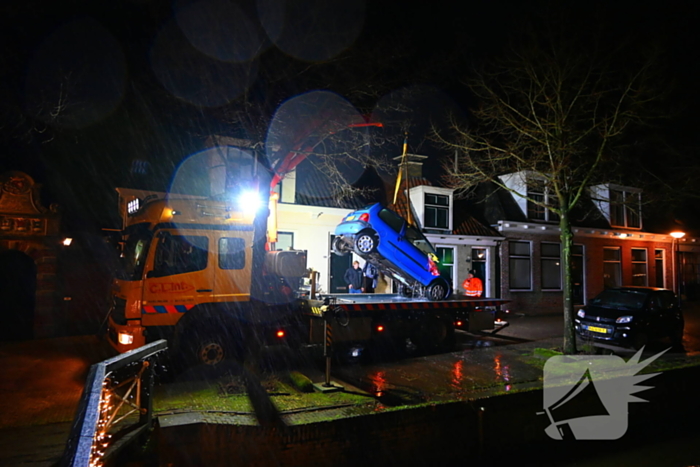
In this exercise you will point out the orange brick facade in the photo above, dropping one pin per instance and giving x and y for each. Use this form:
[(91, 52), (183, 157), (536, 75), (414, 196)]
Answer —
[(659, 272)]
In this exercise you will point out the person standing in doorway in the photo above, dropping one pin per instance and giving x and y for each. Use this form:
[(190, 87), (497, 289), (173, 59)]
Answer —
[(473, 286), (354, 278), (371, 275)]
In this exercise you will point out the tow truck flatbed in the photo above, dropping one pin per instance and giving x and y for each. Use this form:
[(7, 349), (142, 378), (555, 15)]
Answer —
[(369, 318)]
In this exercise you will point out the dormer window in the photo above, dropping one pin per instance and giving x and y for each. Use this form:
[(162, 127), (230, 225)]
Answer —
[(433, 207), (533, 195), (625, 209), (437, 211), (538, 194), (621, 206)]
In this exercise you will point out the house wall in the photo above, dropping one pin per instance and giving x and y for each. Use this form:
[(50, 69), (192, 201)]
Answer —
[(537, 301), (312, 227), (463, 262)]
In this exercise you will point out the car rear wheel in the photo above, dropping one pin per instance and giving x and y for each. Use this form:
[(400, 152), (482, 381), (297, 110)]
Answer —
[(339, 247), (438, 290), (366, 242)]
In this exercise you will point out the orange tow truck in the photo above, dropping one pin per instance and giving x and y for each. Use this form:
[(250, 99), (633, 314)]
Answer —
[(198, 272)]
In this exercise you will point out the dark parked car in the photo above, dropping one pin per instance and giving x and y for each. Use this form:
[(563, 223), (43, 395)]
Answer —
[(399, 250), (632, 317)]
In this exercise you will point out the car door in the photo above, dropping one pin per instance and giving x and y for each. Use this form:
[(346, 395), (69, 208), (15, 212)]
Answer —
[(414, 260), (391, 230)]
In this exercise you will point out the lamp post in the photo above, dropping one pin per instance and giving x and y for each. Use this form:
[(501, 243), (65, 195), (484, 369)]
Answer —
[(677, 272)]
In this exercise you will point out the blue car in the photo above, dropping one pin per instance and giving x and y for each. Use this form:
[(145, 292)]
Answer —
[(400, 251)]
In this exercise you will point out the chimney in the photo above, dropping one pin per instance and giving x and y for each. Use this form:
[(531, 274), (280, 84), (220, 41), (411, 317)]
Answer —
[(414, 164)]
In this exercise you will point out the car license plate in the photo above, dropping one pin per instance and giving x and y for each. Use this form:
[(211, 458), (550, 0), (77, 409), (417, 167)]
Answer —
[(351, 218), (597, 329)]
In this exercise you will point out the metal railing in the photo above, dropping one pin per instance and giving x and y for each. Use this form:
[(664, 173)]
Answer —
[(116, 389)]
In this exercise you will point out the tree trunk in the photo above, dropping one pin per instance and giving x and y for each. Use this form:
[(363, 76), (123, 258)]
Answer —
[(567, 237)]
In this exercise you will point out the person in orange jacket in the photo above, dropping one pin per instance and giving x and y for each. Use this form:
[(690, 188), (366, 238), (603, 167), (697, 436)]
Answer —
[(473, 287)]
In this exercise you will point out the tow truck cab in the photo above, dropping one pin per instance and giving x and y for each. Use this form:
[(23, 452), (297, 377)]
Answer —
[(181, 255)]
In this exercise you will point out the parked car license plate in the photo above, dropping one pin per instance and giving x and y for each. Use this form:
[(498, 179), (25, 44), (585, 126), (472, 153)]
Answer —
[(597, 329)]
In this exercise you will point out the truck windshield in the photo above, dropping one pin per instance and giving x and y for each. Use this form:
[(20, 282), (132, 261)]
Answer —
[(135, 250)]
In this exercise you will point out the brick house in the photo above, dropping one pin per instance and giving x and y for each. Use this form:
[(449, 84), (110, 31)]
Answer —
[(611, 245)]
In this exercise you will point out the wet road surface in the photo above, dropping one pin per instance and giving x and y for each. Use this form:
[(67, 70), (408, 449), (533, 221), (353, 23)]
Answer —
[(43, 380)]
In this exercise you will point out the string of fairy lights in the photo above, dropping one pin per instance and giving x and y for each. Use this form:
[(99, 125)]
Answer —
[(109, 410), (101, 439)]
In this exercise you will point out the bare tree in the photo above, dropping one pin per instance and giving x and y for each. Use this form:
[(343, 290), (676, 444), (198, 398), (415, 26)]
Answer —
[(556, 110)]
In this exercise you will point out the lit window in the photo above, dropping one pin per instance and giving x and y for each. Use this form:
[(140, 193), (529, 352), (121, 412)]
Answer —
[(612, 267), (639, 266), (446, 262)]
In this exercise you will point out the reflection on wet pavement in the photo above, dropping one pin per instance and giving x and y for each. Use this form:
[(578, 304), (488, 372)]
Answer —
[(502, 371), (442, 377)]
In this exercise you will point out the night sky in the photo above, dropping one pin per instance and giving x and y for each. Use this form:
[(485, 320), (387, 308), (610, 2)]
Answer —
[(92, 90)]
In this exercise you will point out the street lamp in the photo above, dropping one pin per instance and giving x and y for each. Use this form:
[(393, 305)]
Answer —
[(677, 272)]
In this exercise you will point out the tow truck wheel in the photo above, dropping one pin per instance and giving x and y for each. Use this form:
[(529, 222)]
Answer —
[(210, 353), (203, 348), (438, 290), (366, 242), (339, 247)]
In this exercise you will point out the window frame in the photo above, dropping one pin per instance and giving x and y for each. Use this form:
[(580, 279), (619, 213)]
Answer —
[(442, 264), (660, 267), (280, 233), (621, 213), (536, 188), (544, 259), (240, 252), (180, 254), (645, 263), (436, 208), (512, 257), (618, 262)]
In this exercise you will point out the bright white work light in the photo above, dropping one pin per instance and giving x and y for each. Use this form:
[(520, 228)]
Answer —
[(249, 201)]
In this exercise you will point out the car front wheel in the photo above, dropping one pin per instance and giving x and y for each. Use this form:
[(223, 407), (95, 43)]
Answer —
[(438, 290), (366, 242)]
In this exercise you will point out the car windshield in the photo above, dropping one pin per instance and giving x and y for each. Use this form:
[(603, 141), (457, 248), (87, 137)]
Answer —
[(622, 299)]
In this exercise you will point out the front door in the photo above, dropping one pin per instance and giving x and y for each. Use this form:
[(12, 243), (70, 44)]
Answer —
[(339, 264)]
